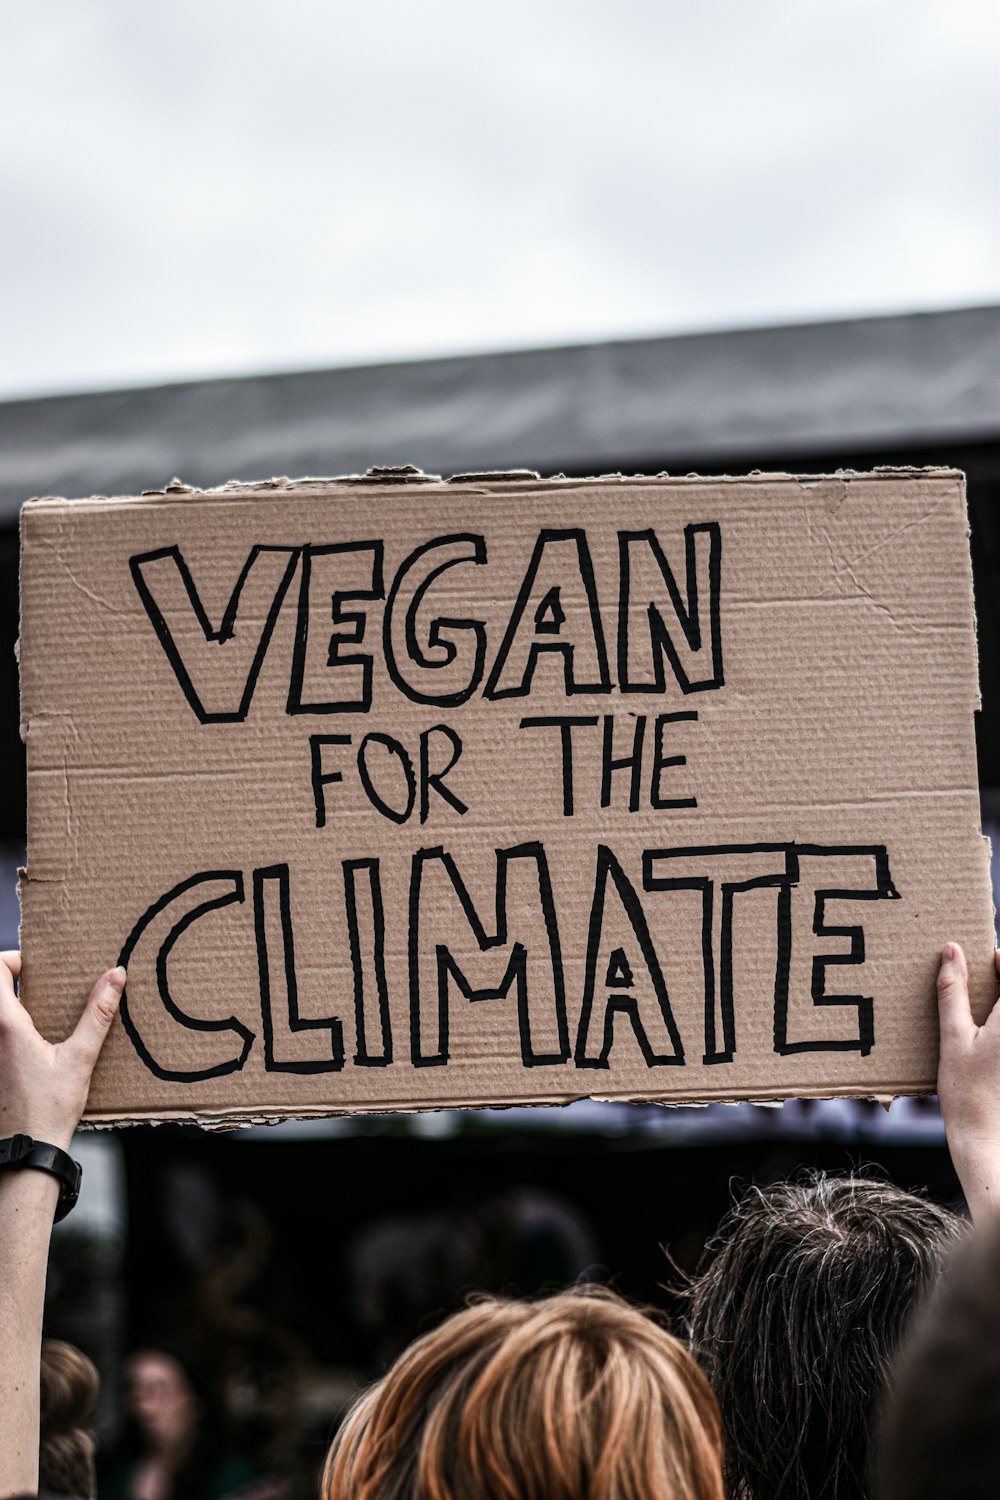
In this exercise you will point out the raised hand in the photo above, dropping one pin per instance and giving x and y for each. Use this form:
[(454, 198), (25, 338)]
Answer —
[(969, 1085)]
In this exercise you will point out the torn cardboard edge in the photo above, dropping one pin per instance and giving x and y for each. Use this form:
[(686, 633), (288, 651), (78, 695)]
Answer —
[(279, 1115), (409, 474)]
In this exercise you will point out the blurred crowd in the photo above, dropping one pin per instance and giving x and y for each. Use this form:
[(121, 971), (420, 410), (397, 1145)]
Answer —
[(837, 1341), (797, 1314)]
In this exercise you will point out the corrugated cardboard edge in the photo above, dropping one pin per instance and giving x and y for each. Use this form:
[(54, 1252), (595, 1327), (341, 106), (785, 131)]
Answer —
[(237, 1119), (487, 481)]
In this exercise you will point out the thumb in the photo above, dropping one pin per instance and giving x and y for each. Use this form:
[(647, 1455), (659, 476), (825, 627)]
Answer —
[(954, 1010), (93, 1026)]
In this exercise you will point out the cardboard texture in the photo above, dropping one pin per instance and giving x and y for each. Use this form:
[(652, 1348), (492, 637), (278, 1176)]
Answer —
[(397, 793)]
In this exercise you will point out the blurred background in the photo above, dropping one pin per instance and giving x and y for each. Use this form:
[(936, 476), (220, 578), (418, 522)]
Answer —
[(242, 239)]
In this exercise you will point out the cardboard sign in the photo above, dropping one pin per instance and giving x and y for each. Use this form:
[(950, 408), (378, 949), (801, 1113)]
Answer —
[(397, 793)]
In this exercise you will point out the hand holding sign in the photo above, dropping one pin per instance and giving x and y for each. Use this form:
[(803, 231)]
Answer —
[(969, 1085), (44, 1086)]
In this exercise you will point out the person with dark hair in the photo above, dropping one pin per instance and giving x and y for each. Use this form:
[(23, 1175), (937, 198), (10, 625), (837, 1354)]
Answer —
[(800, 1312), (796, 1322), (940, 1435), (176, 1447)]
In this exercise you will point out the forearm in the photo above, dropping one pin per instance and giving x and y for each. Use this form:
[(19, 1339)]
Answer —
[(976, 1160), (27, 1206)]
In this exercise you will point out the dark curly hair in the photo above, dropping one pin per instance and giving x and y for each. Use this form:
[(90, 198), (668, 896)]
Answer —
[(796, 1320)]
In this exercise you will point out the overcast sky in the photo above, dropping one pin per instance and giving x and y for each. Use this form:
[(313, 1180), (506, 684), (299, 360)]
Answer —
[(203, 187)]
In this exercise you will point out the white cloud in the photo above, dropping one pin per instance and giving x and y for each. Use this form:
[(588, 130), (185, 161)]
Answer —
[(232, 185)]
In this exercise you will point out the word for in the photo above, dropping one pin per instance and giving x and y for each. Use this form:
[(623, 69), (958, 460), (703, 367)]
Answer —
[(431, 654), (512, 955)]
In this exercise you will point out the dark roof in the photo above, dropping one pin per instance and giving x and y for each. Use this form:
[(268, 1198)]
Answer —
[(700, 399)]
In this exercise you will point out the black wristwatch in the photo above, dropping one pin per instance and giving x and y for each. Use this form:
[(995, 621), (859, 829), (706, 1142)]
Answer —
[(19, 1151)]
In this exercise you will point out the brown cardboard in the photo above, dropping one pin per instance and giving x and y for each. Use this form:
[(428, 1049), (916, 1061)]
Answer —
[(797, 653)]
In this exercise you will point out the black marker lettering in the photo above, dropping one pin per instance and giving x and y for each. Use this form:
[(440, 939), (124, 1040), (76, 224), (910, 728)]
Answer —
[(565, 723), (394, 749), (661, 762), (644, 1002), (223, 1046), (449, 669), (171, 600), (631, 763), (868, 879), (435, 779), (688, 633), (333, 680), (750, 867), (290, 1041), (719, 874), (531, 965), (556, 611), (364, 901), (320, 777)]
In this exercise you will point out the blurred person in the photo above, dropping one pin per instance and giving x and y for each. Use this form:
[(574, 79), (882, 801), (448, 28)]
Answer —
[(69, 1390), (799, 1315), (940, 1435), (176, 1447)]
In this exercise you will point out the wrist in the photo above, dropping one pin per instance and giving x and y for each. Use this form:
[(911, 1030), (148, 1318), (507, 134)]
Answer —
[(54, 1132), (32, 1197), (22, 1153)]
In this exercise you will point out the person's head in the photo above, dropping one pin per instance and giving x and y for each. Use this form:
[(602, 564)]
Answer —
[(576, 1397), (162, 1400), (941, 1430), (69, 1389), (796, 1321)]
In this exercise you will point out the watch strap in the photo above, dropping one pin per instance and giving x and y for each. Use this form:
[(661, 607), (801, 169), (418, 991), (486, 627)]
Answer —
[(20, 1151)]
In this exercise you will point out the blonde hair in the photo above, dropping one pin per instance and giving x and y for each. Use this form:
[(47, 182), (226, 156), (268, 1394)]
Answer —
[(69, 1389), (577, 1397)]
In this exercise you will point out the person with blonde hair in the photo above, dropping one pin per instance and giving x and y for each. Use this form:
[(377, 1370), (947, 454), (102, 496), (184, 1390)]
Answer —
[(69, 1390), (578, 1396)]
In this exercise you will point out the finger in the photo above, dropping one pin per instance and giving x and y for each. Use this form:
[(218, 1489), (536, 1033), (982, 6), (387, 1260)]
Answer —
[(10, 968), (98, 1013), (954, 1010)]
